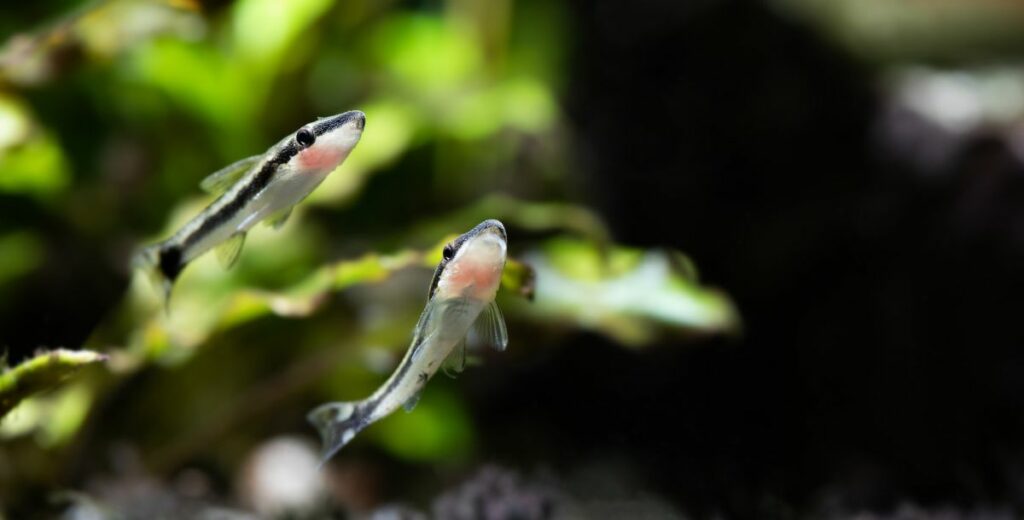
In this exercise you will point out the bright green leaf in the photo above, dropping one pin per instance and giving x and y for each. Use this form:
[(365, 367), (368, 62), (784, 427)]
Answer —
[(628, 294), (42, 372)]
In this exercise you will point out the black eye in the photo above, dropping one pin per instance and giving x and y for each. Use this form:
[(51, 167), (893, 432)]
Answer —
[(448, 252), (305, 138)]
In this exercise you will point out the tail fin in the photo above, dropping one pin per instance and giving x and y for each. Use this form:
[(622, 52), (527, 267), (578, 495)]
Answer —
[(337, 423), (161, 267)]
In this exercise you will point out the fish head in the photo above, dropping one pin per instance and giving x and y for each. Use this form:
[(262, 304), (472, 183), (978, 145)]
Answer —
[(325, 143), (471, 265)]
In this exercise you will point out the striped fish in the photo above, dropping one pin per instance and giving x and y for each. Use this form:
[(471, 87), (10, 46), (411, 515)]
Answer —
[(259, 188), (460, 303)]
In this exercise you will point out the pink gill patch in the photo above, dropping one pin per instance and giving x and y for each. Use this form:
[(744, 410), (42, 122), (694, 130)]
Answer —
[(483, 278), (320, 158)]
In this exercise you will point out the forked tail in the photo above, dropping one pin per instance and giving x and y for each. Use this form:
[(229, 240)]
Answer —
[(337, 423)]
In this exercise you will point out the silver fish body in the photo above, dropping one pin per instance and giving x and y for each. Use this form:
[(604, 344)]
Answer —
[(255, 189), (460, 303)]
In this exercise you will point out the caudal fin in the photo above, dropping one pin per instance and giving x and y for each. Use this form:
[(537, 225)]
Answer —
[(337, 423), (161, 264)]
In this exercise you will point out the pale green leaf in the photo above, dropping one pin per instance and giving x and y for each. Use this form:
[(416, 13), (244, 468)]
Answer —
[(42, 372)]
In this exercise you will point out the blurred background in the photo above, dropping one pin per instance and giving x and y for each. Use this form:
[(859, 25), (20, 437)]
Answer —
[(775, 250)]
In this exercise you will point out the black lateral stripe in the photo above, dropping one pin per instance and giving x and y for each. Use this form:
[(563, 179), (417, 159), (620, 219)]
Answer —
[(457, 305), (247, 193), (399, 377), (393, 383)]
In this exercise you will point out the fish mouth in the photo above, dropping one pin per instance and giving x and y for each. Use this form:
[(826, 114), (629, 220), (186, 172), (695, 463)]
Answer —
[(493, 226), (488, 245), (356, 117)]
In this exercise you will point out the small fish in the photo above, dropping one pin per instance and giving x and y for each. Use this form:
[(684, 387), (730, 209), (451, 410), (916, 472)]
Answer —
[(254, 189), (460, 303)]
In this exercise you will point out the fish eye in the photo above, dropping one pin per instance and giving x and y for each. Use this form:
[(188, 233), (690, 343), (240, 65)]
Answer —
[(305, 138), (448, 252)]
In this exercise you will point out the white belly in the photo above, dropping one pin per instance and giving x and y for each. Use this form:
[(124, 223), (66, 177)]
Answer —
[(279, 196)]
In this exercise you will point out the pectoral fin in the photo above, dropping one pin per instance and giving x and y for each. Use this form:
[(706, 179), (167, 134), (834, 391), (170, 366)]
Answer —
[(455, 363), (229, 250), (279, 219), (221, 180), (422, 330), (489, 328)]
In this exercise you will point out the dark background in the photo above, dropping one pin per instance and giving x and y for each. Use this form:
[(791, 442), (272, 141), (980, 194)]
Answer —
[(881, 353)]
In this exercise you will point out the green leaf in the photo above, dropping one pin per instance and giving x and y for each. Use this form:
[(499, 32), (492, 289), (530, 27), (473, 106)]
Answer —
[(42, 372), (628, 294), (519, 278)]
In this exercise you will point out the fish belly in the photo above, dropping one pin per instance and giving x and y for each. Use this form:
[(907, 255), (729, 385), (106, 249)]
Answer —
[(279, 196)]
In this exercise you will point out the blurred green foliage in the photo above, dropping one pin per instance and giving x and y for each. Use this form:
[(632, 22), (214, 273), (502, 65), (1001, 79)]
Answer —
[(22, 252), (31, 162), (941, 31), (45, 370), (628, 294), (111, 115)]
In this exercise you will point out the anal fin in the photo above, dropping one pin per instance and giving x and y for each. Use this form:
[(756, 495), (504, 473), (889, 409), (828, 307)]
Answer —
[(279, 219), (229, 250)]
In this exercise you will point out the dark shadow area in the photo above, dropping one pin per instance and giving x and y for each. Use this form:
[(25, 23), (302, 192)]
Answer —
[(881, 356)]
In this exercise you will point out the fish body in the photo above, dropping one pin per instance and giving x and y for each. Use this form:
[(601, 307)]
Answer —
[(259, 188), (460, 303)]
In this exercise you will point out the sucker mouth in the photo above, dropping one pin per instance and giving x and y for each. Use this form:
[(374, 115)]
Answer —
[(497, 227), (493, 245), (325, 125)]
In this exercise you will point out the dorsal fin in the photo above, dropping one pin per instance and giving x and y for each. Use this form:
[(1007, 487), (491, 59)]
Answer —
[(223, 179)]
